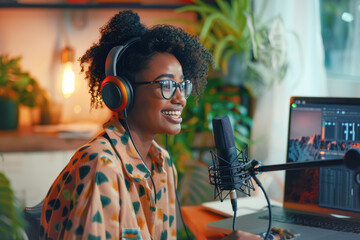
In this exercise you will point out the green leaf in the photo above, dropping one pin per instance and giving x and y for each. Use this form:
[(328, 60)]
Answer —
[(12, 222), (236, 8), (220, 48), (201, 8), (251, 26), (223, 21), (224, 7), (194, 187), (243, 130)]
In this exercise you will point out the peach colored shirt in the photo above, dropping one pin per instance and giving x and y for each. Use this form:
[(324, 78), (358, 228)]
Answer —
[(99, 196)]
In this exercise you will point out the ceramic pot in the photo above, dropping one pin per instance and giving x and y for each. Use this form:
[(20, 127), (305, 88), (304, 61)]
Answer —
[(9, 114)]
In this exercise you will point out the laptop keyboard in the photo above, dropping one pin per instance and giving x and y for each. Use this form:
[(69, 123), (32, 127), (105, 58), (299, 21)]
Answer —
[(316, 221)]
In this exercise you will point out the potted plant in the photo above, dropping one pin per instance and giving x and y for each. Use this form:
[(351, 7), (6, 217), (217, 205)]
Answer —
[(17, 87), (246, 51)]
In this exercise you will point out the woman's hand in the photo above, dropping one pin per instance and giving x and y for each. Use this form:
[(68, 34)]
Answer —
[(242, 236)]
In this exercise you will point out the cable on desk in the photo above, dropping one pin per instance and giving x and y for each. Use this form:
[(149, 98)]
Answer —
[(268, 203), (234, 221)]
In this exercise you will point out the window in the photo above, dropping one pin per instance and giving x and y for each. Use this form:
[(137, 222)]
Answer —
[(340, 31)]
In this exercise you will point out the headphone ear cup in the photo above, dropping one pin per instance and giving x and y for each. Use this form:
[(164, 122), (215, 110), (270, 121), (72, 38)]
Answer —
[(117, 93)]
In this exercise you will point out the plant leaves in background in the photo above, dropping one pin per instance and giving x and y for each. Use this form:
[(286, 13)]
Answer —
[(228, 28), (18, 85), (12, 222)]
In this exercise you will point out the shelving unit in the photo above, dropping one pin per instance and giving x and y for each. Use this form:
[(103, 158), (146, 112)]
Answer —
[(90, 5), (28, 141)]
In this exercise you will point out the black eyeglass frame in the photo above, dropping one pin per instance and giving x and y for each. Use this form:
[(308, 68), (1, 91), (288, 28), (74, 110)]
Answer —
[(177, 85)]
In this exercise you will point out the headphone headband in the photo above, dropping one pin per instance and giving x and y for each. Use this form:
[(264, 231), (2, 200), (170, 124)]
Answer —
[(115, 54)]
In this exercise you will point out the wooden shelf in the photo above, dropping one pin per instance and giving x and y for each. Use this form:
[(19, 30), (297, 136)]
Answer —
[(26, 140), (90, 5)]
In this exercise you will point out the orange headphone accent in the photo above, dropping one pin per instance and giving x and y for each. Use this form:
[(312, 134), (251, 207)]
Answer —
[(118, 92)]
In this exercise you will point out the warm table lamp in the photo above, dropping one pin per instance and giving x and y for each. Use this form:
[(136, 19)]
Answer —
[(68, 75)]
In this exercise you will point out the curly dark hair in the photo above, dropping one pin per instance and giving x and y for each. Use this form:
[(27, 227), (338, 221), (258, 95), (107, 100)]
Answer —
[(191, 54)]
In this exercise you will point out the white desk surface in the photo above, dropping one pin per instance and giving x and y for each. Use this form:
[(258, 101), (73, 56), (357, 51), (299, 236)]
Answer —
[(246, 205)]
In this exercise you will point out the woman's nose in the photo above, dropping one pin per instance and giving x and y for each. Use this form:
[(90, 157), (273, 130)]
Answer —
[(179, 98)]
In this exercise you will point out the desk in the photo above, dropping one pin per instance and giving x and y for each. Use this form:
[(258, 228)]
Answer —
[(196, 218)]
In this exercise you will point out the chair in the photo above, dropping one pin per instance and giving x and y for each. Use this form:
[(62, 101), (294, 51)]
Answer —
[(33, 216)]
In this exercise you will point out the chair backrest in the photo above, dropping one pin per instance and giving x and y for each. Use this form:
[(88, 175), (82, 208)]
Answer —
[(33, 216)]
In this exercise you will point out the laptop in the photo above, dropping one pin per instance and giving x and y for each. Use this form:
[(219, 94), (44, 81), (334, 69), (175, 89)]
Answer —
[(319, 203)]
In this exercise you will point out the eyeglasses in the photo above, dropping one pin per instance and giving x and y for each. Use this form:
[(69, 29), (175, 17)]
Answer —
[(168, 87)]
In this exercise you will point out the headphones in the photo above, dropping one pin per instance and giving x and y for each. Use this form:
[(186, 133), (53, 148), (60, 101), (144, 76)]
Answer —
[(116, 91)]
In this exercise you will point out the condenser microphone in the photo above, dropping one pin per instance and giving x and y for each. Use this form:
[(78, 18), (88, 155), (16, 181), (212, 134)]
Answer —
[(229, 170), (227, 157), (226, 151)]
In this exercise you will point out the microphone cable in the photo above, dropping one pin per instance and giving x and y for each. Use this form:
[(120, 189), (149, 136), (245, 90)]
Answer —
[(126, 126), (268, 203), (234, 221), (142, 159), (233, 199), (176, 191)]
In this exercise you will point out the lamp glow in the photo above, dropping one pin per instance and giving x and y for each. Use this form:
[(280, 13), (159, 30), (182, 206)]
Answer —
[(68, 80), (68, 75)]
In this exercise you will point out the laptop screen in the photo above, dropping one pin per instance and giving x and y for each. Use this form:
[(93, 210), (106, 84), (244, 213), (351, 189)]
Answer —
[(322, 129)]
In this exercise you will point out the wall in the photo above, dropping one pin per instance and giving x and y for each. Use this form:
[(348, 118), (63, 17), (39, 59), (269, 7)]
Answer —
[(344, 88), (31, 174)]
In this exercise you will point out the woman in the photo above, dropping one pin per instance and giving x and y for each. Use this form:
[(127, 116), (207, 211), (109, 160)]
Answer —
[(122, 183)]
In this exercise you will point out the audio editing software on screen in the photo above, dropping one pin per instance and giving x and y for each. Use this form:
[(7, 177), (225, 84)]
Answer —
[(319, 132)]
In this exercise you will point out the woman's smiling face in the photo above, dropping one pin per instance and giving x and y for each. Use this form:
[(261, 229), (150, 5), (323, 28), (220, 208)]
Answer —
[(151, 113)]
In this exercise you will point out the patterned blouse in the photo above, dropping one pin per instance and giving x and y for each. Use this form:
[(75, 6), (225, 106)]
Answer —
[(99, 196)]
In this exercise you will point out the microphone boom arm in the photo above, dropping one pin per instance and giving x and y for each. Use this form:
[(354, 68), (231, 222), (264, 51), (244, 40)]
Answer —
[(298, 165), (351, 160)]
